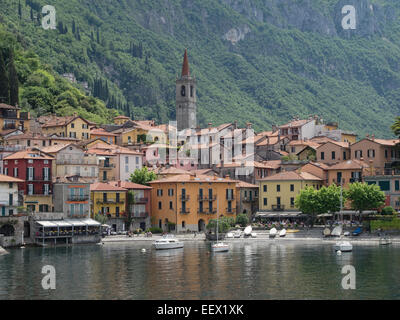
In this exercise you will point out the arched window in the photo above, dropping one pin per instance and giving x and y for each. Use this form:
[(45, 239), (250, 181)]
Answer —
[(183, 91)]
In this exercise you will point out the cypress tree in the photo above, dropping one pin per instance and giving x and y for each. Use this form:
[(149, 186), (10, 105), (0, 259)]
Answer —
[(4, 85), (13, 80), (31, 14), (73, 26), (19, 9)]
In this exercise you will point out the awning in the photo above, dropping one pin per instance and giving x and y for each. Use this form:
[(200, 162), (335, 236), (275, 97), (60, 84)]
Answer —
[(91, 222), (101, 158), (47, 224), (76, 223), (62, 223), (279, 214)]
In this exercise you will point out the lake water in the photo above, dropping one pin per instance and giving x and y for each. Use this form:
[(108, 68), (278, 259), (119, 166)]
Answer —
[(268, 269)]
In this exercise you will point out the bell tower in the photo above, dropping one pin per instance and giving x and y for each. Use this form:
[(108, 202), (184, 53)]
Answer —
[(186, 98)]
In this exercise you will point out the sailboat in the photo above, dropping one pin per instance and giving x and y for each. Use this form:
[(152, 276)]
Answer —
[(219, 246)]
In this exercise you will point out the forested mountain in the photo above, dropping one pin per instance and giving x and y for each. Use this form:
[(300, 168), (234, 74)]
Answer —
[(263, 61)]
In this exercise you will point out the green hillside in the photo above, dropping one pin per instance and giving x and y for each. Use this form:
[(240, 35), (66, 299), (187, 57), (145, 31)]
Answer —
[(285, 58)]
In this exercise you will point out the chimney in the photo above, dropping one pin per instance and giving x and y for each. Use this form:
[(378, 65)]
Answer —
[(367, 136), (235, 124), (248, 125), (274, 128), (119, 183), (209, 125), (373, 137)]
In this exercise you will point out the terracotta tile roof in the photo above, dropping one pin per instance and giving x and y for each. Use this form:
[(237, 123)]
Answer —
[(322, 139), (386, 142), (320, 165), (338, 143), (185, 65), (102, 132), (28, 135), (130, 185), (100, 147), (100, 186), (291, 176), (349, 165), (193, 179), (4, 178), (56, 148), (271, 140), (170, 170), (270, 164), (309, 143), (54, 121), (29, 154), (242, 184), (121, 117), (295, 123), (73, 179)]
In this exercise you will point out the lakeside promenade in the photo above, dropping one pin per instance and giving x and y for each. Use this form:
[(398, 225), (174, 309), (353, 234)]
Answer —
[(311, 235)]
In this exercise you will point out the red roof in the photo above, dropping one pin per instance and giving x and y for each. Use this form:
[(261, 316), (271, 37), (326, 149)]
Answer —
[(100, 186), (130, 185)]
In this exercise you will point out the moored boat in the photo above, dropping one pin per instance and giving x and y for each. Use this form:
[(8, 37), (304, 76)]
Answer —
[(343, 246), (247, 231), (272, 233), (337, 231), (282, 233), (167, 243), (219, 247)]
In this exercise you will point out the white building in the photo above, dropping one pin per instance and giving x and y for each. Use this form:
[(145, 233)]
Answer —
[(8, 195)]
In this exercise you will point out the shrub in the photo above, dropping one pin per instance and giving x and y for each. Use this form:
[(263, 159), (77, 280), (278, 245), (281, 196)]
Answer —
[(242, 219), (154, 230), (387, 211)]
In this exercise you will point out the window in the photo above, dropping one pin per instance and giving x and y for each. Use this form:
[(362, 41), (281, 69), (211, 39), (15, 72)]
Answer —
[(30, 189), (72, 125), (15, 172), (159, 205), (30, 173), (322, 155), (371, 153), (292, 187), (46, 189), (384, 185), (10, 199), (333, 155), (265, 188), (265, 201), (344, 155), (6, 171), (159, 192), (10, 185), (126, 160), (170, 205), (397, 185), (292, 202), (278, 188), (183, 224), (46, 174), (117, 211)]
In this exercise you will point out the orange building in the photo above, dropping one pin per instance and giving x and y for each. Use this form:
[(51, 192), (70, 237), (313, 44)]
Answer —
[(346, 172), (189, 202)]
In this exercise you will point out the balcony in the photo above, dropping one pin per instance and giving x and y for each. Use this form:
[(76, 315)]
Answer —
[(278, 207), (212, 198), (352, 180), (184, 197), (141, 200), (107, 166), (230, 197), (76, 161), (115, 201), (230, 210), (184, 211), (78, 197), (140, 214), (249, 199)]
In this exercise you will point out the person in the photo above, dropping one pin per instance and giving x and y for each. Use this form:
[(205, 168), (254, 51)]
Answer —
[(195, 234)]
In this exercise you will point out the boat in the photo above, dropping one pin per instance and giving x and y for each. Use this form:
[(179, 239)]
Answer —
[(337, 231), (327, 232), (384, 241), (237, 234), (272, 233), (247, 231), (282, 233), (254, 235), (229, 235), (343, 246), (357, 232), (219, 246), (168, 243)]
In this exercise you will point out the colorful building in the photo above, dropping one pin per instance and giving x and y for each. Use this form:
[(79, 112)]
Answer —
[(188, 202), (333, 152), (103, 135), (12, 118), (34, 167), (8, 195), (390, 185), (109, 200), (278, 192), (247, 198)]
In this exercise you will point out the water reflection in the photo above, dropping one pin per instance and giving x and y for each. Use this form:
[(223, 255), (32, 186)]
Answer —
[(250, 270)]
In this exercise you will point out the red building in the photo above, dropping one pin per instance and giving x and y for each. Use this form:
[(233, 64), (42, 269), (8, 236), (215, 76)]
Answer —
[(34, 167), (140, 209)]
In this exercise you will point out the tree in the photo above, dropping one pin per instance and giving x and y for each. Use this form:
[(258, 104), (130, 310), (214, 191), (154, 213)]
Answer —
[(242, 219), (365, 197), (19, 9), (329, 198), (396, 126), (224, 224), (4, 84), (13, 80), (100, 218), (309, 202), (143, 176)]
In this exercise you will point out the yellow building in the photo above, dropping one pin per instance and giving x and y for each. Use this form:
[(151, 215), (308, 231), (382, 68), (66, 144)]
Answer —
[(120, 120), (110, 200), (278, 192), (189, 202), (12, 118), (69, 126), (349, 137)]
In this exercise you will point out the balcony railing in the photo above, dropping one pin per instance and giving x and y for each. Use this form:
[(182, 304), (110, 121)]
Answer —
[(250, 199), (76, 161), (141, 200), (278, 207), (108, 166), (352, 180), (230, 197), (212, 198), (78, 197), (110, 201), (230, 210), (184, 197), (184, 211), (140, 214)]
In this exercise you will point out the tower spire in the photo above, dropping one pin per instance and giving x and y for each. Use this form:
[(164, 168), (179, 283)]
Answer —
[(185, 65)]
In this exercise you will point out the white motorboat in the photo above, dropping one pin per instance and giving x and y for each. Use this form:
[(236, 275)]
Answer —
[(237, 234), (343, 246), (282, 233), (247, 231), (385, 241), (229, 235), (219, 247), (337, 231), (167, 243), (254, 235), (272, 233)]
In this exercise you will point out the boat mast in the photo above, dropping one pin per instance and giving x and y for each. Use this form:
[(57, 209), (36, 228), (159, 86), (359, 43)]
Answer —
[(341, 198), (217, 219)]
